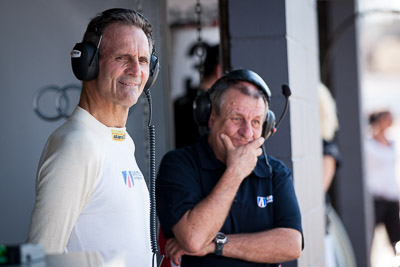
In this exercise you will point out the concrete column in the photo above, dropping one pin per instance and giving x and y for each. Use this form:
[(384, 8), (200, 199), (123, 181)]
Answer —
[(278, 40), (351, 202)]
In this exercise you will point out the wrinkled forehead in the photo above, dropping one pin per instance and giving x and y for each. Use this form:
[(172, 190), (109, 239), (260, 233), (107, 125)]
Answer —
[(245, 94), (248, 89), (118, 34)]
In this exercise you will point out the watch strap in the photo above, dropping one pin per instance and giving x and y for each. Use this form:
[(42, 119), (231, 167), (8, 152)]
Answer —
[(220, 240)]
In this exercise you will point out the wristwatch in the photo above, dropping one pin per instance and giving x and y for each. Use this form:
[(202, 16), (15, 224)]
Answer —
[(220, 240)]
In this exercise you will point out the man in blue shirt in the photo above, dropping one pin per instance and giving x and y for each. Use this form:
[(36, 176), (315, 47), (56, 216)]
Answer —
[(221, 202)]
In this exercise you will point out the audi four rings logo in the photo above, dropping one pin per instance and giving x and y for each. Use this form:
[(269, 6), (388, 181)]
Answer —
[(52, 102)]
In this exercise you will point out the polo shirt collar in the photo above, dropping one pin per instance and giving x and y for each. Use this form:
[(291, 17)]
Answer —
[(207, 157), (262, 170)]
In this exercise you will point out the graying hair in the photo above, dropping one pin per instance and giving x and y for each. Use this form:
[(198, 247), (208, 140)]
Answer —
[(101, 21), (218, 91)]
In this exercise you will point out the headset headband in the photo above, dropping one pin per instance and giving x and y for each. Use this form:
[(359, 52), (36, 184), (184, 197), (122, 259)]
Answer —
[(246, 76)]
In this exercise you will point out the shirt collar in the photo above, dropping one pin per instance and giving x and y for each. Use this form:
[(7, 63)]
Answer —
[(263, 168), (207, 157)]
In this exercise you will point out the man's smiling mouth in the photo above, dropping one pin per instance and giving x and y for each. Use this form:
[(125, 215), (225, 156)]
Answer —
[(127, 83)]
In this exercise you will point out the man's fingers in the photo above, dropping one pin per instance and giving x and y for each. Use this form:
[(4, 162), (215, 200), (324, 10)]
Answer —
[(169, 246), (258, 152), (176, 260), (226, 140), (258, 142), (173, 251)]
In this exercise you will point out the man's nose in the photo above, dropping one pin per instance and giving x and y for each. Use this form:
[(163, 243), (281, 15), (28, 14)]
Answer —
[(246, 130), (133, 68)]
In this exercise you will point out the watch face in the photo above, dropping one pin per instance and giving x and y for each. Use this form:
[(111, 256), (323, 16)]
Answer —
[(221, 238)]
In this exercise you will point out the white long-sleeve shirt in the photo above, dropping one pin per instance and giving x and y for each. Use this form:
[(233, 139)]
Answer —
[(90, 193), (380, 170)]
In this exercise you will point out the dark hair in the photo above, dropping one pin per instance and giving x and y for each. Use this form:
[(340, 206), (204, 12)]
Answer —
[(211, 59), (101, 21), (375, 117), (224, 84)]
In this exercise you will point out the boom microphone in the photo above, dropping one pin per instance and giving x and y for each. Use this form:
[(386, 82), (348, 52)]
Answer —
[(286, 92)]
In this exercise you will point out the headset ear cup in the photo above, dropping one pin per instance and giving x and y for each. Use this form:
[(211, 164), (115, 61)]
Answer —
[(202, 109), (154, 69), (85, 61), (269, 125)]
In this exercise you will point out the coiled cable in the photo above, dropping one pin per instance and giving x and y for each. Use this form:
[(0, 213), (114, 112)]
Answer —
[(152, 185)]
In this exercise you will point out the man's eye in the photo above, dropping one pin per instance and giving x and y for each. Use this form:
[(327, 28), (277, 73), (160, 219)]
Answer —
[(144, 60), (256, 123)]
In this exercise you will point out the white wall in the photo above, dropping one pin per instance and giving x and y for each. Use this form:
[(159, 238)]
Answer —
[(302, 39)]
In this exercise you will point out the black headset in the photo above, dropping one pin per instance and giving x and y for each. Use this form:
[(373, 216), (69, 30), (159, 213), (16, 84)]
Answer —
[(85, 55), (202, 103)]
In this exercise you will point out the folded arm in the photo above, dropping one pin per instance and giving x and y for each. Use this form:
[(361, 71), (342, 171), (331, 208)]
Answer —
[(272, 246), (199, 225)]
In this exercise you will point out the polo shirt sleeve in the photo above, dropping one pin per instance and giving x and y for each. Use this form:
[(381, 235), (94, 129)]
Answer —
[(286, 208), (177, 188)]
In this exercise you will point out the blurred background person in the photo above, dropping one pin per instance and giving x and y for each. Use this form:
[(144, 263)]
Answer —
[(338, 248), (380, 172), (186, 130), (329, 125), (331, 157)]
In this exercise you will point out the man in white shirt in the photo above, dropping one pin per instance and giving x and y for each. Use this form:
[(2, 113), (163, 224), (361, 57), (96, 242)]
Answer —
[(90, 193), (380, 162)]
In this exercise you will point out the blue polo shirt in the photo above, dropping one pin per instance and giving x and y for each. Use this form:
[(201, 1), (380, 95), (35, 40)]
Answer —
[(265, 200)]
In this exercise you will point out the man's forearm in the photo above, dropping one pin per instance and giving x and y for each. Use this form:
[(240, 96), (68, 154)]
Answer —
[(272, 246), (199, 226)]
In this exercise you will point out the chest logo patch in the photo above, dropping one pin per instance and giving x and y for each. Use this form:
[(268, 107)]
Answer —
[(130, 177), (118, 135), (262, 202)]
